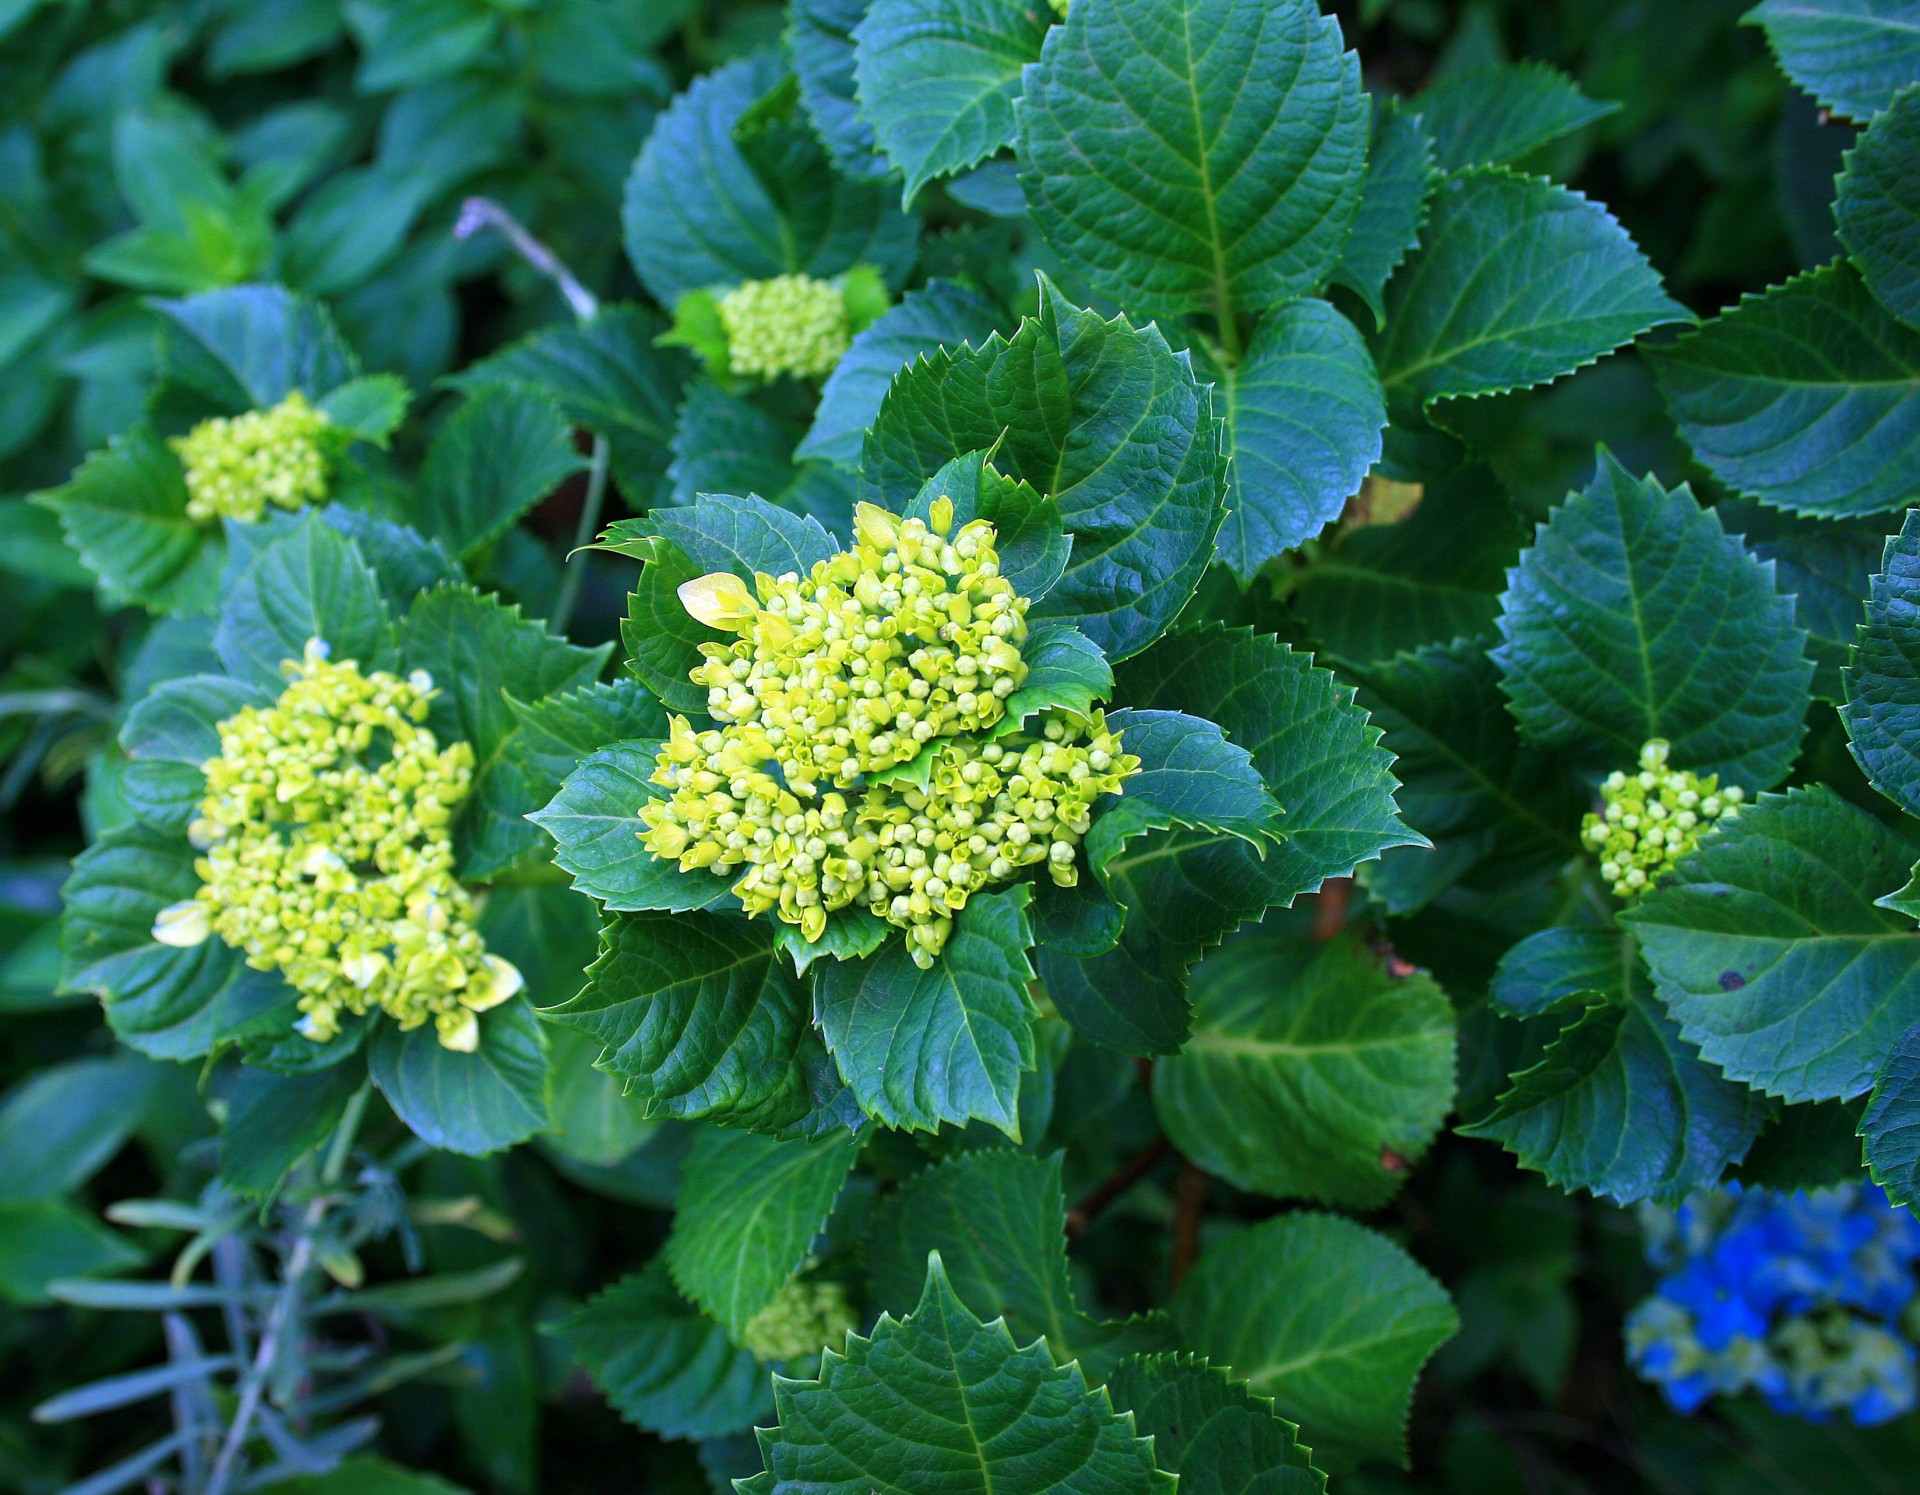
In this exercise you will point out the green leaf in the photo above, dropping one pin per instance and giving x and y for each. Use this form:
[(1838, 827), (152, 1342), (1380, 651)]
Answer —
[(249, 347), (312, 583), (550, 739), (1492, 116), (725, 443), (749, 1209), (1210, 1430), (1619, 1103), (1393, 205), (1826, 565), (367, 1475), (274, 1120), (595, 823), (371, 408), (820, 37), (1313, 1073), (1185, 890), (406, 563), (1882, 710), (125, 512), (662, 1365), (1189, 775), (1104, 419), (940, 315), (1769, 948), (164, 1001), (169, 735), (1065, 671), (941, 1398), (44, 1240), (471, 1104), (62, 1125), (1806, 397), (936, 80), (1428, 579), (1224, 178), (608, 376), (698, 214), (1306, 411), (405, 42), (502, 451), (595, 1122), (918, 1048), (1467, 783), (852, 934), (1805, 1148), (703, 1018), (1028, 537), (998, 1220), (1879, 206), (481, 653), (1851, 55), (1329, 1319), (1559, 968), (1636, 616), (1892, 1123), (1516, 282)]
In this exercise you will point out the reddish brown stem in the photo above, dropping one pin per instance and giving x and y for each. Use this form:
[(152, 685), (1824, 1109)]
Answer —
[(1094, 1203), (1188, 1196), (1330, 907)]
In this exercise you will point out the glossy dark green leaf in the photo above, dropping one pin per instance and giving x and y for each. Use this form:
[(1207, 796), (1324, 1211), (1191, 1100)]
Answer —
[(249, 347), (998, 1219), (1223, 178), (1209, 1429), (948, 1044), (1105, 420), (1312, 1073), (1516, 282), (169, 735), (1892, 1123), (312, 583), (1393, 205), (662, 1365), (497, 456), (1882, 678), (1329, 1319), (275, 1120), (467, 1103), (942, 1397), (1879, 205), (1636, 616), (749, 1209), (1774, 951), (937, 79), (1492, 116), (1806, 397), (820, 37), (1851, 55)]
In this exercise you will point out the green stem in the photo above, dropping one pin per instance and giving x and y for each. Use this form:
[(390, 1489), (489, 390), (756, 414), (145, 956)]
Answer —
[(583, 534)]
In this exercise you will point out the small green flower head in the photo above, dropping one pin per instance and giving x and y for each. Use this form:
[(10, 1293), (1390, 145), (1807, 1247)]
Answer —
[(327, 833), (904, 648), (1060, 7), (1648, 820), (792, 324), (238, 465), (802, 1319)]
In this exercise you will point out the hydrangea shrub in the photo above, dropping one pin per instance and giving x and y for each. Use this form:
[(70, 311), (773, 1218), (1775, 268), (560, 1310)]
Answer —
[(986, 745)]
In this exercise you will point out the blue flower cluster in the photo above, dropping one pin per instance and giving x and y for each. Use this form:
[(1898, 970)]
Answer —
[(1807, 1299)]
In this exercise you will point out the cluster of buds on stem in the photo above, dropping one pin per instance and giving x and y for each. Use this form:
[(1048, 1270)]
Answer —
[(905, 647), (791, 324), (1648, 820), (802, 1319), (236, 466), (328, 854)]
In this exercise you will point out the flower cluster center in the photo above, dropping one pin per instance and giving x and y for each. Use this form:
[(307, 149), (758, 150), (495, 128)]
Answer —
[(326, 828), (791, 324), (865, 755), (237, 465), (1649, 820)]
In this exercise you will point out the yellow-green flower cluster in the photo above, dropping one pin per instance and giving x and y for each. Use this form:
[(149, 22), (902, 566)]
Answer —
[(803, 1318), (1060, 7), (852, 669), (238, 465), (1650, 819), (326, 829), (791, 324), (908, 643)]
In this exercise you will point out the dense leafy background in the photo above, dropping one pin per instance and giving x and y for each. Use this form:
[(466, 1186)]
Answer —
[(1580, 273)]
